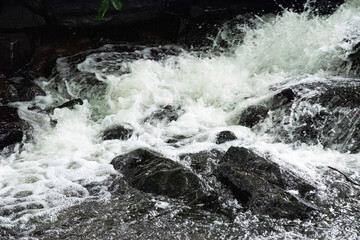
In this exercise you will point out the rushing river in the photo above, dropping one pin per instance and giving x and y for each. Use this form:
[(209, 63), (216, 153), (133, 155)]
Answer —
[(67, 163)]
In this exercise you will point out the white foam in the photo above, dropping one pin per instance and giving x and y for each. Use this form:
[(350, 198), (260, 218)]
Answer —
[(211, 90)]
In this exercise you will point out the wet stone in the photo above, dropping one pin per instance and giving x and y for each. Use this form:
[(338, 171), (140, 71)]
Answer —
[(312, 113), (167, 114), (262, 186), (16, 50), (15, 16), (18, 89), (225, 136), (249, 161), (355, 58), (253, 115), (11, 127), (117, 132), (152, 173), (71, 104), (203, 161)]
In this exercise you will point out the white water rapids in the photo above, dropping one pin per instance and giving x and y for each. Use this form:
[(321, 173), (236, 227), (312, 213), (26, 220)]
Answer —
[(50, 172)]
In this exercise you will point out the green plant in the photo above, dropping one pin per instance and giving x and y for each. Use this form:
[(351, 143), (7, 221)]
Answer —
[(104, 6)]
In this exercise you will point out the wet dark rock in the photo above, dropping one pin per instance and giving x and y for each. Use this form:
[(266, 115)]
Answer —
[(203, 161), (262, 186), (167, 114), (355, 58), (155, 174), (12, 128), (225, 136), (282, 98), (325, 7), (18, 89), (319, 112), (16, 50), (253, 115), (117, 132), (251, 162), (71, 104), (261, 197), (34, 5), (16, 16)]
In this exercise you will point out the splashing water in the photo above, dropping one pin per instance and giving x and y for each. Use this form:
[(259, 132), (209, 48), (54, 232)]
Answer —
[(54, 170)]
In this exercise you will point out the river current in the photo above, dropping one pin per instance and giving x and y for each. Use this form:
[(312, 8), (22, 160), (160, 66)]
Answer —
[(122, 84)]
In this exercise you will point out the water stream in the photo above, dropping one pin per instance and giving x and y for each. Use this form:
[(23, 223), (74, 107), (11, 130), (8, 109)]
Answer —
[(124, 84)]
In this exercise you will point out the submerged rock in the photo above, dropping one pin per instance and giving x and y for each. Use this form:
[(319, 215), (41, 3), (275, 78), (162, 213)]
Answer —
[(12, 128), (262, 186), (167, 114), (225, 136), (152, 173), (117, 132)]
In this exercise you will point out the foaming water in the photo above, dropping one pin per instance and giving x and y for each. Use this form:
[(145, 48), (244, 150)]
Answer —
[(56, 168)]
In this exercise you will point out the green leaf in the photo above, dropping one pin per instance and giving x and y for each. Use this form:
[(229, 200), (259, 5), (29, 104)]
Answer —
[(104, 6), (117, 4)]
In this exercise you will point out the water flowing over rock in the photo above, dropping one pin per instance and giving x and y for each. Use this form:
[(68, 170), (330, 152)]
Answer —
[(223, 125), (117, 132), (262, 185), (317, 112), (166, 115)]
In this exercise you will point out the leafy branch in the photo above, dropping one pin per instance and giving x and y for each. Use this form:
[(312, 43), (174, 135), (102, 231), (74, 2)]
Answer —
[(104, 6)]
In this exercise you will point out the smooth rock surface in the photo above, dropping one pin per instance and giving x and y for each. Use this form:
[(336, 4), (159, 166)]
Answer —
[(152, 173), (13, 16), (262, 186), (16, 50)]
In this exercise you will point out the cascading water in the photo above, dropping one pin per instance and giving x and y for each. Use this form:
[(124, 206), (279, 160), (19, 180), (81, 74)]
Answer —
[(67, 163)]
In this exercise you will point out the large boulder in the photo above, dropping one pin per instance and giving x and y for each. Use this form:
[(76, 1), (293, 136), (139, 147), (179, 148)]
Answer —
[(152, 173), (16, 50), (325, 112), (81, 13), (18, 89), (17, 16), (263, 186), (249, 161), (12, 127)]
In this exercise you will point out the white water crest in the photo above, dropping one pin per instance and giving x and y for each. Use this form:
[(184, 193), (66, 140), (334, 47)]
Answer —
[(54, 169)]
